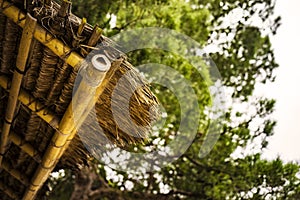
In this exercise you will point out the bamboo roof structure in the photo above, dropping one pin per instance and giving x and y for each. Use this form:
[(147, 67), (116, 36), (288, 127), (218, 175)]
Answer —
[(42, 46)]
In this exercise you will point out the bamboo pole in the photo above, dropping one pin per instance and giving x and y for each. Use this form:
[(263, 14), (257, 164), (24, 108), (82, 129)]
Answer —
[(78, 36), (81, 27), (99, 91), (25, 43), (93, 75), (15, 173), (8, 191), (25, 146), (42, 35), (33, 104), (96, 35)]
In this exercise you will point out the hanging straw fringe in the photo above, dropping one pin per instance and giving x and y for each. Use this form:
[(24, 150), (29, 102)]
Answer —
[(75, 156), (2, 32), (46, 75), (10, 45), (62, 74), (45, 135), (32, 73), (66, 94), (33, 125), (38, 132)]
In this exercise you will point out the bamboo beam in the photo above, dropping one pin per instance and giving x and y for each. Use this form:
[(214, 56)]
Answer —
[(78, 36), (81, 27), (25, 43), (33, 104), (99, 91), (25, 146), (8, 191), (15, 173), (96, 35), (93, 76), (42, 35)]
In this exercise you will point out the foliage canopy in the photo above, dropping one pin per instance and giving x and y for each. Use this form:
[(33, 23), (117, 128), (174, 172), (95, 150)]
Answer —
[(239, 34)]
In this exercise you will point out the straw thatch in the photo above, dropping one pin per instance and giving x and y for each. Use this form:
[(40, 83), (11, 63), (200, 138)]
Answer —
[(48, 85)]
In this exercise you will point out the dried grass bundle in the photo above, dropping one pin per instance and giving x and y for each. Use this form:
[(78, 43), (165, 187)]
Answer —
[(2, 32), (46, 76), (9, 46), (66, 93), (60, 78), (32, 73)]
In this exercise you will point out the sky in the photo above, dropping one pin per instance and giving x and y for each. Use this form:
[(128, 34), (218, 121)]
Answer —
[(286, 91)]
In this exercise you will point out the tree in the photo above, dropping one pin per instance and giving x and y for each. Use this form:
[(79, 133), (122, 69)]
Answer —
[(244, 57)]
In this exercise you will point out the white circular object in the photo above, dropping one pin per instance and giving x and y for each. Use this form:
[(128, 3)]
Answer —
[(101, 62)]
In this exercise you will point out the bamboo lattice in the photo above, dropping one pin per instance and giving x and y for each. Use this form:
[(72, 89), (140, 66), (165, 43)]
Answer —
[(38, 131)]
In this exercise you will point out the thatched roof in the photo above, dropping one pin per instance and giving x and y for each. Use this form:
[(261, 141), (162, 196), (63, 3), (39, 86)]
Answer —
[(37, 131)]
